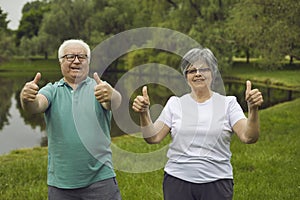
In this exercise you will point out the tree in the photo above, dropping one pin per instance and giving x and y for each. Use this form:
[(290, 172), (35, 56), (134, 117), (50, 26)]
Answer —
[(269, 27), (7, 47), (66, 19), (3, 21), (209, 28), (32, 16)]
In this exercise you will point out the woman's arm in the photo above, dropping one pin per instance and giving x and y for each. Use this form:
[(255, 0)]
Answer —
[(248, 129), (153, 133)]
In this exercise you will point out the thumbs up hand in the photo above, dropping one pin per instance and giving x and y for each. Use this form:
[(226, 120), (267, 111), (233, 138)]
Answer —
[(30, 90), (141, 103), (253, 97), (103, 91)]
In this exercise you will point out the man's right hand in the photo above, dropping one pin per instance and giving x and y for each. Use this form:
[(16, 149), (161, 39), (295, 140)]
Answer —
[(30, 90)]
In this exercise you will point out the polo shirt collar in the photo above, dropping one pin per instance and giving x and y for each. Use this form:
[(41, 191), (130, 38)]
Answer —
[(62, 82)]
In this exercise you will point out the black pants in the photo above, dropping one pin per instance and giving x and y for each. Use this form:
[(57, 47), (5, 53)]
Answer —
[(103, 190), (177, 189)]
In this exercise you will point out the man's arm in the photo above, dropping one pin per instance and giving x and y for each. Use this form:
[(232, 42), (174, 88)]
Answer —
[(31, 101), (106, 95)]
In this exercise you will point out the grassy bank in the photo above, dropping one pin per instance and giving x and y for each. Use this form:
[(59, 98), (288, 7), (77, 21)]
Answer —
[(287, 77), (23, 67), (268, 169)]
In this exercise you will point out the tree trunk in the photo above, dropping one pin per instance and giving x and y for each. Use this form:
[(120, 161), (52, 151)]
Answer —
[(247, 56), (291, 59)]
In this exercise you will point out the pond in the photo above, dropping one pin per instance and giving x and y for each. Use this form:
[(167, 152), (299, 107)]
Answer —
[(22, 130)]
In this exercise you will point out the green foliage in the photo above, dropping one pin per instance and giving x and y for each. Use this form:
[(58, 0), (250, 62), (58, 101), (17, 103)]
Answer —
[(3, 21), (7, 40), (266, 29), (7, 48), (32, 16)]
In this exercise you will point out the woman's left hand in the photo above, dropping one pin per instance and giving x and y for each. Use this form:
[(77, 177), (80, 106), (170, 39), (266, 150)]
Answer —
[(253, 97)]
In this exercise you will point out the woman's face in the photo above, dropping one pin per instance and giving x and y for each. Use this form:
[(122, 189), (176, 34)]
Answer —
[(199, 77)]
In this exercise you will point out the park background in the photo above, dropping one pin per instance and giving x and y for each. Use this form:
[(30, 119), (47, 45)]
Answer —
[(252, 39)]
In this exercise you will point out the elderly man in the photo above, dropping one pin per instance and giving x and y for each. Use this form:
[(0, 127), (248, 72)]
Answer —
[(77, 113)]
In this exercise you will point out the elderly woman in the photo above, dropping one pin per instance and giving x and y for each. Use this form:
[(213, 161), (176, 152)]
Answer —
[(201, 124)]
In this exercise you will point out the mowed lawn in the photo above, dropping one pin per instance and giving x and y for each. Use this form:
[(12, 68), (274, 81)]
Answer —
[(266, 170)]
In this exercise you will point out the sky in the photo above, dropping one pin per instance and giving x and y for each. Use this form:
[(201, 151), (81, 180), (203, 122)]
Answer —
[(13, 9)]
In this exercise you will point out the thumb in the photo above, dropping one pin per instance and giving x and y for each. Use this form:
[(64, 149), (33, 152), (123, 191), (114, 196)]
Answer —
[(97, 78), (248, 86), (37, 78), (145, 92)]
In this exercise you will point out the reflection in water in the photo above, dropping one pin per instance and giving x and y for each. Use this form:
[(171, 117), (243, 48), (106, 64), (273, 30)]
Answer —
[(5, 94), (16, 134), (19, 129)]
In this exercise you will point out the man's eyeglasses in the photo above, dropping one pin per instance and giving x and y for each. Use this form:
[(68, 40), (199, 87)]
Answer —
[(72, 57), (199, 70)]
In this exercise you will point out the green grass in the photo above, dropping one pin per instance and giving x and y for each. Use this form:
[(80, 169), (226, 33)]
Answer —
[(268, 169), (287, 77), (23, 175), (21, 67)]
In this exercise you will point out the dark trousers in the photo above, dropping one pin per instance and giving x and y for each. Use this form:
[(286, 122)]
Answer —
[(177, 189), (103, 190)]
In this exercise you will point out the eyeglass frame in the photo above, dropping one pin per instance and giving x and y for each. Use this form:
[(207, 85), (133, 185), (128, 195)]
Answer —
[(80, 57), (199, 70)]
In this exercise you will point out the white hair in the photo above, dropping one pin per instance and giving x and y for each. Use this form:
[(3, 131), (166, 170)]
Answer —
[(70, 42)]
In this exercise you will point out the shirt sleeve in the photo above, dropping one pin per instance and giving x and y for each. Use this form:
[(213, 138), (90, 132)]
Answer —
[(166, 114), (235, 111), (47, 91)]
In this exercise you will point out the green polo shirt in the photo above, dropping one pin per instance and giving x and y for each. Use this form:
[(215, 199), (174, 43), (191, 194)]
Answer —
[(78, 130)]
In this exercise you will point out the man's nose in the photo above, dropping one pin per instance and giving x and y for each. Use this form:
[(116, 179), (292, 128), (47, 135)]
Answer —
[(76, 60)]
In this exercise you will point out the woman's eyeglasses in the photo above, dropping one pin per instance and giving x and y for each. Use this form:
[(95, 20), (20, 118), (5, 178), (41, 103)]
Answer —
[(199, 70)]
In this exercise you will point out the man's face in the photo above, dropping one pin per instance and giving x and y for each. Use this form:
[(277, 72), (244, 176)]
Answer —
[(74, 66)]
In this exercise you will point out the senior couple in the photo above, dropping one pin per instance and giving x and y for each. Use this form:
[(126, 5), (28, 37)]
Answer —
[(200, 123)]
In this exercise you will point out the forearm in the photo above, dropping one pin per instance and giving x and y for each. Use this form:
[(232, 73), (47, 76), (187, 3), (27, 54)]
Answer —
[(148, 129), (37, 105), (114, 102), (30, 106), (252, 127)]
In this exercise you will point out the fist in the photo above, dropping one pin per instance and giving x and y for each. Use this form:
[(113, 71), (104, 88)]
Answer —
[(141, 103), (30, 90), (253, 97)]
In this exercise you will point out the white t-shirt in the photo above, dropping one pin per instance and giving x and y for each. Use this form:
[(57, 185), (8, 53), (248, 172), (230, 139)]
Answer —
[(201, 135)]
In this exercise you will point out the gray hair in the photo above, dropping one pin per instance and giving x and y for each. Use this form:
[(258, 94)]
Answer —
[(204, 55), (199, 55), (70, 42)]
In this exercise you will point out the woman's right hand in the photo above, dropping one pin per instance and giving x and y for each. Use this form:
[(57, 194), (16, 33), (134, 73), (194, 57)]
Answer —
[(141, 103)]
